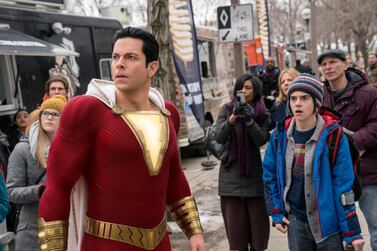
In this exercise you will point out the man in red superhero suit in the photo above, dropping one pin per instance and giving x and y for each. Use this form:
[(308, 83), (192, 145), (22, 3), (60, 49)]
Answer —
[(121, 137)]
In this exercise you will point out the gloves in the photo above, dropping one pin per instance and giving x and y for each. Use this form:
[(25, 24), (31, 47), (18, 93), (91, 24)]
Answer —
[(247, 112), (238, 108)]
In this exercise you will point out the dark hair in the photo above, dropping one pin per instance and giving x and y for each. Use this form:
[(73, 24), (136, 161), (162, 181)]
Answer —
[(56, 79), (150, 46), (15, 115), (257, 85), (315, 106)]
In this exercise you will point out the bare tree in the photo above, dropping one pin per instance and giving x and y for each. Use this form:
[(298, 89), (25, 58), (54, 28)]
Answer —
[(158, 13), (285, 16), (205, 12), (353, 21)]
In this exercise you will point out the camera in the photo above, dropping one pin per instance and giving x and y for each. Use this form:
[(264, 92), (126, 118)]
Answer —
[(238, 108), (241, 96)]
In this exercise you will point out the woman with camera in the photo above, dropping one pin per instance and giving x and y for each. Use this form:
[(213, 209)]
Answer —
[(244, 122)]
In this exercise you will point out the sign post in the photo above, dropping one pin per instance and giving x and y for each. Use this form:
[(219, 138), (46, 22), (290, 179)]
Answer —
[(235, 23)]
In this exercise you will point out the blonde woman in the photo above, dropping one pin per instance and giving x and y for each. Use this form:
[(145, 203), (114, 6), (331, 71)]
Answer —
[(279, 109), (27, 165)]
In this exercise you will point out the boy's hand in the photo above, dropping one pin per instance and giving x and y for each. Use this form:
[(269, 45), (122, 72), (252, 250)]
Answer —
[(358, 244), (283, 228)]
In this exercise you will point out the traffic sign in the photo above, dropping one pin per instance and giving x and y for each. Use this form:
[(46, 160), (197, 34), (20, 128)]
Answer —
[(235, 23)]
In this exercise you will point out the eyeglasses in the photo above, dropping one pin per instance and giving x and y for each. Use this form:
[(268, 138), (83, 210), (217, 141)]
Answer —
[(54, 115)]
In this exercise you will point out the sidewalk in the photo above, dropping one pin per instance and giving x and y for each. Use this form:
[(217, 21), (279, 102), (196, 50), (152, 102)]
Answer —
[(203, 184)]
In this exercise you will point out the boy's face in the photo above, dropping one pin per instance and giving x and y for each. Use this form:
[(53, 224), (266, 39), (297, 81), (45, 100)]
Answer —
[(302, 105)]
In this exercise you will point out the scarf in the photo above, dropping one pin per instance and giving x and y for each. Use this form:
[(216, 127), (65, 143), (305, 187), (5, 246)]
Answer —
[(240, 144)]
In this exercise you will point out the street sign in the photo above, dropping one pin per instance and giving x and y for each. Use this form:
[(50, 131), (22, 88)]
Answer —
[(235, 23)]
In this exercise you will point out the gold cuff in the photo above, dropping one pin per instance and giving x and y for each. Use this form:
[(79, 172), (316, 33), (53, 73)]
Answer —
[(185, 213), (52, 235)]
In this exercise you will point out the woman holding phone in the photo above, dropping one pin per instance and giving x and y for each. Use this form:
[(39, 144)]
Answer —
[(244, 122)]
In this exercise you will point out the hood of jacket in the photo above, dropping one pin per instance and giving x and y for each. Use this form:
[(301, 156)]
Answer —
[(32, 138), (104, 90), (356, 77), (328, 115)]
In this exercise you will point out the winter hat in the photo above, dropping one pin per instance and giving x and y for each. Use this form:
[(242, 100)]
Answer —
[(309, 84), (334, 53), (56, 102)]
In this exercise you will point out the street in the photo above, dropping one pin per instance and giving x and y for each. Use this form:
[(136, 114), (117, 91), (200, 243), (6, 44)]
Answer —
[(203, 184)]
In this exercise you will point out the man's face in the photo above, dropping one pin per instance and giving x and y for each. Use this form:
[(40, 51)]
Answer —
[(302, 105), (372, 59), (333, 68), (57, 88), (128, 66), (270, 64)]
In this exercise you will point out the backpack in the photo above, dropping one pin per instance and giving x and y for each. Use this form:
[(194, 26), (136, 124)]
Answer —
[(333, 142)]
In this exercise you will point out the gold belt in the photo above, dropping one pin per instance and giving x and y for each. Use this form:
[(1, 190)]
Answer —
[(140, 237)]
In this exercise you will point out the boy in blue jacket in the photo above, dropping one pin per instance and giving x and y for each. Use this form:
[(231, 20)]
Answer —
[(310, 199)]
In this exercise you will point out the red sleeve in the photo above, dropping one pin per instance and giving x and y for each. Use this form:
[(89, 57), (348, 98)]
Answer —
[(68, 156)]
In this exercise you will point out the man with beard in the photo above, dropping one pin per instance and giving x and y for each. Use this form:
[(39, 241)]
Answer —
[(270, 82)]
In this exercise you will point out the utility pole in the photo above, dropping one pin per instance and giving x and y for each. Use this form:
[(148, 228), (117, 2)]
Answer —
[(239, 60), (313, 36)]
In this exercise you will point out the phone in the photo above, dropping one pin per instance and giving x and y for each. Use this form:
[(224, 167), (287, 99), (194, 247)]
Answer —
[(241, 96)]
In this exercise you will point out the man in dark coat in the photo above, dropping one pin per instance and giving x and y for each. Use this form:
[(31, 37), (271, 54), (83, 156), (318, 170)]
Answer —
[(269, 78), (348, 92)]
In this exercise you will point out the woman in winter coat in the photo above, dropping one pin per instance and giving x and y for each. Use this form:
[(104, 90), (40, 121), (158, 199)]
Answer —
[(26, 173), (279, 109), (244, 123)]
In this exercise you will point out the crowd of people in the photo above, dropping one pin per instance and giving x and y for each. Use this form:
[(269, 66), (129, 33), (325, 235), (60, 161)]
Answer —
[(119, 140), (308, 192)]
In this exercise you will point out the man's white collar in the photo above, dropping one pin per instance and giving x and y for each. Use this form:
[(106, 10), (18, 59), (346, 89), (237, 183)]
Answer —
[(104, 90)]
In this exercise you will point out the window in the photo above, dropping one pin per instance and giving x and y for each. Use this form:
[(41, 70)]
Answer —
[(207, 58), (105, 68), (8, 104)]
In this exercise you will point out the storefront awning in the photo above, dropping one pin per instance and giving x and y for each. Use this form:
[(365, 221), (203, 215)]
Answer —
[(13, 42)]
